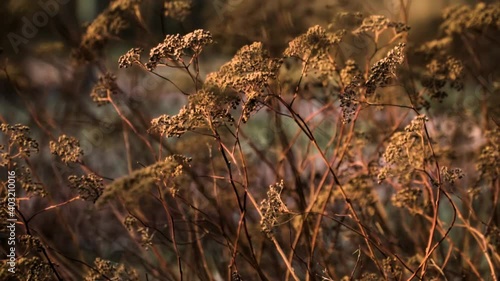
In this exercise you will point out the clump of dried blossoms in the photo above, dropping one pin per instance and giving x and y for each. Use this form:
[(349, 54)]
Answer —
[(18, 135), (351, 78), (370, 277), (409, 198), (349, 102), (107, 25), (90, 187), (461, 18), (380, 75), (487, 162), (384, 70), (146, 239), (205, 109), (175, 47), (104, 88), (460, 23), (111, 271), (27, 183), (177, 9), (314, 44), (32, 243), (440, 72), (272, 208), (392, 268), (133, 56), (359, 189), (435, 48), (30, 268), (313, 49), (451, 175), (249, 72), (67, 149), (378, 23), (406, 152), (350, 73), (138, 183)]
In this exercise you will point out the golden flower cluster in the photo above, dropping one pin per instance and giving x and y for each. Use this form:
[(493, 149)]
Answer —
[(272, 208), (67, 149), (18, 135), (90, 187), (113, 271), (113, 20), (384, 70)]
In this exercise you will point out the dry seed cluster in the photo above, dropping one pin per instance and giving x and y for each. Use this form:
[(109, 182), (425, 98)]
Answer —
[(104, 88), (385, 69), (90, 187), (67, 149), (272, 208), (112, 270)]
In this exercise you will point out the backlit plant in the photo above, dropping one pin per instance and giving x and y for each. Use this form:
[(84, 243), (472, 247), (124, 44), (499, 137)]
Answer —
[(329, 159)]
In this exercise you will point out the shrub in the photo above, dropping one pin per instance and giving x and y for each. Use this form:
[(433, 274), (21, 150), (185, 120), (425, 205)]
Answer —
[(329, 161)]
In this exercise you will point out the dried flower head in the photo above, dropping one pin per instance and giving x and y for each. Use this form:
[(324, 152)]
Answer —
[(392, 268), (203, 110), (18, 135), (350, 73), (249, 72), (406, 152), (130, 222), (461, 18), (111, 271), (67, 149), (435, 48), (250, 69), (385, 69), (174, 47), (378, 23), (27, 183), (168, 172), (313, 49), (314, 43), (131, 57), (272, 208), (177, 9), (360, 190), (104, 88), (145, 237), (349, 102), (114, 19), (409, 198), (451, 175), (351, 77), (32, 243), (30, 268), (440, 72), (90, 187), (487, 163), (370, 277)]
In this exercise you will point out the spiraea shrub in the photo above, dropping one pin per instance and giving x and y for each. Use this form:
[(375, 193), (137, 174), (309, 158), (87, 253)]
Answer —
[(354, 149)]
